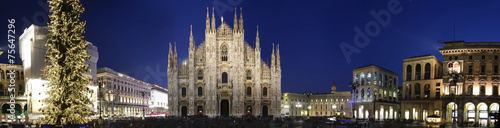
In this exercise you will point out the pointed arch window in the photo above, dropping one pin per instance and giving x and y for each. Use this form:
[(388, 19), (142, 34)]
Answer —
[(249, 91), (183, 91), (200, 74), (224, 53), (200, 91), (264, 91), (224, 77), (249, 74)]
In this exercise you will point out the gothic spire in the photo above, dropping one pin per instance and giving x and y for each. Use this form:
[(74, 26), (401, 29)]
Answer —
[(241, 19), (235, 23), (175, 50), (169, 49), (170, 55), (207, 25), (191, 42), (213, 19), (273, 58), (257, 38), (278, 56), (273, 49)]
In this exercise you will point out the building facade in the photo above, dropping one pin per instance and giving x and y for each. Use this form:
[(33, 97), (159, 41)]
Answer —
[(122, 95), (32, 53), (421, 87), (295, 104), (224, 75), (18, 90), (159, 99), (470, 82), (308, 104), (375, 93), (330, 104)]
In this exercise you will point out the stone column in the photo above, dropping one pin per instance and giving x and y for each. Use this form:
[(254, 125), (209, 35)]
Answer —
[(460, 114)]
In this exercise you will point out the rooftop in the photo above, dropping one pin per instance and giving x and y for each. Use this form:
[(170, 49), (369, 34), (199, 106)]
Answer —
[(462, 44), (375, 66)]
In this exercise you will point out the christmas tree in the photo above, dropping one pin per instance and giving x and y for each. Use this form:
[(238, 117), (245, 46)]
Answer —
[(67, 101)]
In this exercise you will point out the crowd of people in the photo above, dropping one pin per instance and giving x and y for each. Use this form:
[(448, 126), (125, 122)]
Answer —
[(204, 122)]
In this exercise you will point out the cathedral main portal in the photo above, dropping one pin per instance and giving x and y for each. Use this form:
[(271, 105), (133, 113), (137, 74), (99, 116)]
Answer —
[(224, 108)]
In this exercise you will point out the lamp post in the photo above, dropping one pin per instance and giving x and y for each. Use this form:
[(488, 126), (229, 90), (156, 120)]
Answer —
[(353, 86), (100, 99), (454, 77), (309, 105)]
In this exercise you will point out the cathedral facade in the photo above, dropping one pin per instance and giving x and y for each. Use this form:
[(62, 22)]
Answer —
[(224, 75)]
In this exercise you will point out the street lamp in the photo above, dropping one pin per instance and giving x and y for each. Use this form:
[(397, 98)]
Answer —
[(353, 86), (100, 99), (309, 104), (454, 76)]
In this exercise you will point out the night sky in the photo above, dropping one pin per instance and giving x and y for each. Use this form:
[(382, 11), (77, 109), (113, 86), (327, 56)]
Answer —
[(133, 35)]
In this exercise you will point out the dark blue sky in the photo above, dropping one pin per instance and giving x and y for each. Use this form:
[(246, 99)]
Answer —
[(133, 35)]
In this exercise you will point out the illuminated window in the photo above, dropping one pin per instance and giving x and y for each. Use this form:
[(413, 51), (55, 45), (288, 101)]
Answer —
[(356, 79), (454, 67), (369, 78), (362, 78)]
